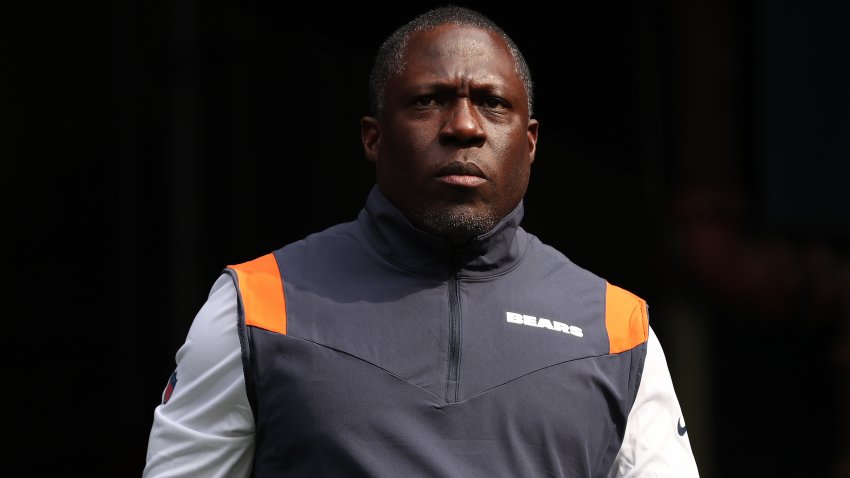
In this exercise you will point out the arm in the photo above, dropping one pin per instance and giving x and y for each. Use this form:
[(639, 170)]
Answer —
[(205, 427), (656, 439)]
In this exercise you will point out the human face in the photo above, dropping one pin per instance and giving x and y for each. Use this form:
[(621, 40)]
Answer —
[(454, 145)]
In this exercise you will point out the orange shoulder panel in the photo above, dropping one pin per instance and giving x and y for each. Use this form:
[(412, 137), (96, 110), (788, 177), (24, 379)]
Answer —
[(625, 318), (261, 288)]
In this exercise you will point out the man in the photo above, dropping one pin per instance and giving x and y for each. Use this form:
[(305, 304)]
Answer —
[(432, 336)]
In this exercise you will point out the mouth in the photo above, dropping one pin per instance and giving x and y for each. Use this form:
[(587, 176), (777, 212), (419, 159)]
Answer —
[(463, 174)]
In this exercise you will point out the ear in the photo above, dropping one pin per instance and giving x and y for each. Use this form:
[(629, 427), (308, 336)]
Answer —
[(531, 134), (370, 135)]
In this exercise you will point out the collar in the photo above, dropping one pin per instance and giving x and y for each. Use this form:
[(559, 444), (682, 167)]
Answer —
[(397, 240)]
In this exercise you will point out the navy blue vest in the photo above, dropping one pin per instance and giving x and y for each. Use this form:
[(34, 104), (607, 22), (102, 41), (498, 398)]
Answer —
[(376, 349)]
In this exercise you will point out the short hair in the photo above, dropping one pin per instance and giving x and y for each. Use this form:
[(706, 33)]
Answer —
[(389, 60)]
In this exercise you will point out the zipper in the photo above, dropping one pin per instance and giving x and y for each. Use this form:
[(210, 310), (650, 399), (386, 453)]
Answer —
[(454, 330)]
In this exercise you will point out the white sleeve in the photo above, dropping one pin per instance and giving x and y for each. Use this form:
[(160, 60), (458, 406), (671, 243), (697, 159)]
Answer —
[(205, 426), (656, 442)]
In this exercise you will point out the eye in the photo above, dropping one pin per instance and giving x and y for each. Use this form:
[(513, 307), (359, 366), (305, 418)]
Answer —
[(424, 100), (494, 102)]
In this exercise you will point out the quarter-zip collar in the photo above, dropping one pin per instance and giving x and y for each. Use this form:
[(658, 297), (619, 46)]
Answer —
[(400, 242)]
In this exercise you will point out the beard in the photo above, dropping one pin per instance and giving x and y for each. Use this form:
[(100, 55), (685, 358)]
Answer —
[(456, 223)]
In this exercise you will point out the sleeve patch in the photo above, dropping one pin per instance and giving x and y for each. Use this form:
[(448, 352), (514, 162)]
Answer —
[(169, 387)]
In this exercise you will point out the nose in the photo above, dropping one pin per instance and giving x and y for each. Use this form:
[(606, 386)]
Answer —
[(462, 126)]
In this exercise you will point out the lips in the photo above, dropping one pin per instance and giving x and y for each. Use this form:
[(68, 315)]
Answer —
[(463, 174), (459, 168)]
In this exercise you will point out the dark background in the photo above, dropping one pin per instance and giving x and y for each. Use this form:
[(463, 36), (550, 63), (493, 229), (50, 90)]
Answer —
[(695, 152)]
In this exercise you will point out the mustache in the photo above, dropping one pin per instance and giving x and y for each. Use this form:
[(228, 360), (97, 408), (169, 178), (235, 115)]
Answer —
[(461, 168)]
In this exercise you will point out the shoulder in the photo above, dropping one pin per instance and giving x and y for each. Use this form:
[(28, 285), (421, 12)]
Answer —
[(625, 313), (545, 256), (626, 318), (213, 333)]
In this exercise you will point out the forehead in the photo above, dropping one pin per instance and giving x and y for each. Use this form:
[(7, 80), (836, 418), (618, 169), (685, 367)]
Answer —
[(458, 46)]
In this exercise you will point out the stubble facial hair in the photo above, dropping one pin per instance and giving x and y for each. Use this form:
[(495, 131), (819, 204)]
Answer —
[(457, 224)]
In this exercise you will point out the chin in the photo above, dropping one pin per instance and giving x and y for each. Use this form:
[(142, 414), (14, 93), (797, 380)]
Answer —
[(455, 222)]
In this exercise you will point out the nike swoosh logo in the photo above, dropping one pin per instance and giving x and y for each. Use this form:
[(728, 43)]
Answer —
[(682, 429)]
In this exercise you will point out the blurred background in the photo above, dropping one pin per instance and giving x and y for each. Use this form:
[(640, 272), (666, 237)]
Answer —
[(695, 152)]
